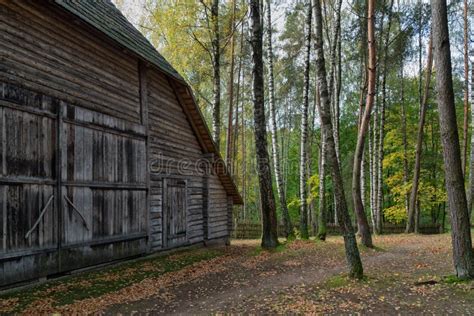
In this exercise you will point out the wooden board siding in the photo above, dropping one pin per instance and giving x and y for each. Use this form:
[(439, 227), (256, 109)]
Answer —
[(41, 49), (72, 186), (176, 151), (218, 209)]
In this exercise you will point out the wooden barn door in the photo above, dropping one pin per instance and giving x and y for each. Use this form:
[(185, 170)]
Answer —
[(103, 188), (73, 189), (175, 209), (28, 185)]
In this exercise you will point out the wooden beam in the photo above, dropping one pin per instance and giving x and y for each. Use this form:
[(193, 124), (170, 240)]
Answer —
[(143, 86)]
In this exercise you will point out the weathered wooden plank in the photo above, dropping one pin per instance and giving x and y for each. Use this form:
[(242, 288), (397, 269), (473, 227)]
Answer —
[(21, 49), (55, 25)]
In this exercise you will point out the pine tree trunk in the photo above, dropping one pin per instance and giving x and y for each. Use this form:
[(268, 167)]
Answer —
[(471, 181), (411, 227), (466, 87), (273, 125), (363, 91), (362, 222), (267, 199), (304, 130), (324, 109), (229, 141), (460, 231), (216, 60), (371, 179), (375, 163)]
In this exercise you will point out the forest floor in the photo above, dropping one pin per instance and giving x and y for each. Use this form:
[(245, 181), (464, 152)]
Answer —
[(405, 274)]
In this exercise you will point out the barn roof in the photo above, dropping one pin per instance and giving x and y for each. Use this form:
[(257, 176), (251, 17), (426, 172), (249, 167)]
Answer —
[(105, 17)]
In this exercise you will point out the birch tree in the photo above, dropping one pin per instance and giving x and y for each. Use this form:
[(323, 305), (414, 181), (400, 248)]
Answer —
[(229, 141), (273, 125), (216, 66), (322, 218)]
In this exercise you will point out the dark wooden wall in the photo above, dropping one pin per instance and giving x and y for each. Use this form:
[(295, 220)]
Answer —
[(43, 49), (81, 120)]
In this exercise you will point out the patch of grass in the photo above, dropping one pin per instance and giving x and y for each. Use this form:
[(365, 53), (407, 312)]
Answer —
[(278, 249), (374, 248), (336, 281), (255, 251), (453, 279), (94, 284), (343, 280)]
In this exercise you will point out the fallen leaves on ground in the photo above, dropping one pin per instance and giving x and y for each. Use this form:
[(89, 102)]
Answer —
[(403, 275)]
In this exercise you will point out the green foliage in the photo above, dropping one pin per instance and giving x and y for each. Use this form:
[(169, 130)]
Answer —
[(180, 31)]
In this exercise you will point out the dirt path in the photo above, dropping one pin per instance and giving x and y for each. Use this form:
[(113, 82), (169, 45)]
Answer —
[(308, 277), (404, 275)]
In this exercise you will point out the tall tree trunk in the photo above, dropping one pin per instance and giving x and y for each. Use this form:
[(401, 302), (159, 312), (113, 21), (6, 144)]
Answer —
[(471, 180), (461, 233), (324, 109), (334, 84), (244, 154), (335, 74), (338, 84), (229, 141), (238, 99), (419, 144), (376, 133), (273, 125), (304, 129), (362, 223), (322, 218), (371, 179), (375, 163), (363, 91), (466, 87), (404, 134), (382, 123), (216, 67), (267, 204)]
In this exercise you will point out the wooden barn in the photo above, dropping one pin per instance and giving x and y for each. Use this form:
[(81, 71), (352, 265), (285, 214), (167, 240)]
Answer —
[(104, 154)]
